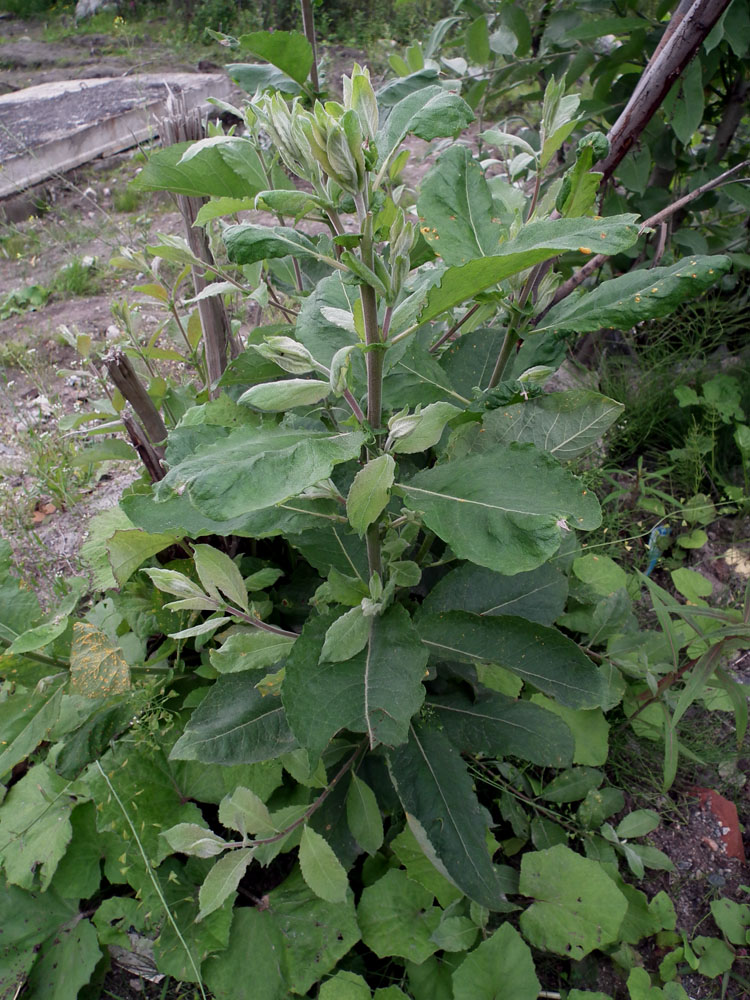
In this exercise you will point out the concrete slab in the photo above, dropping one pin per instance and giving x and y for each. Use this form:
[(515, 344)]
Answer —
[(54, 127)]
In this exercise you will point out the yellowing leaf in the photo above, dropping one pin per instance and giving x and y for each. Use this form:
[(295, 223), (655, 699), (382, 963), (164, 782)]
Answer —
[(97, 667)]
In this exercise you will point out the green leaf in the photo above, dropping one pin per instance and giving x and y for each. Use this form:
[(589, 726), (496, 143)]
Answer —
[(346, 637), (600, 573), (442, 810), (732, 919), (217, 207), (35, 828), (536, 242), (455, 933), (503, 726), (247, 244), (217, 572), (396, 917), (589, 727), (455, 207), (370, 492), (477, 41), (363, 815), (235, 724), (189, 838), (251, 469), (577, 906), (506, 510), (501, 968), (289, 51), (285, 394), (715, 956), (416, 432), (345, 986), (228, 168), (25, 721), (639, 295), (320, 867), (377, 691), (541, 656), (29, 920), (97, 666), (538, 595), (223, 880), (245, 812), (429, 113), (315, 934), (687, 113), (572, 785), (250, 650), (254, 77), (254, 932), (638, 823), (65, 962), (564, 424)]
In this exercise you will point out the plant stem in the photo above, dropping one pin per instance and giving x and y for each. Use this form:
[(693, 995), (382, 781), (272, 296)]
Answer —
[(510, 341), (308, 26), (455, 328)]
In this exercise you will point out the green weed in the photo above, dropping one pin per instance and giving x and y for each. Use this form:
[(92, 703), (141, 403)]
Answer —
[(79, 277)]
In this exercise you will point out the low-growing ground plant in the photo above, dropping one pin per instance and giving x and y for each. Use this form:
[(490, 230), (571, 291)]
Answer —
[(329, 712)]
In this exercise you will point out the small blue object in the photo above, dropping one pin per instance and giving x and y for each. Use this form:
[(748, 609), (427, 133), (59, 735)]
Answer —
[(657, 542)]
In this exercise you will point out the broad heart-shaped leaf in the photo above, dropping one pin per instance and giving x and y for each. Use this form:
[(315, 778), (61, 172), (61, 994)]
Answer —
[(536, 242), (35, 828), (247, 244), (505, 509), (235, 724), (320, 867), (541, 656), (622, 302), (498, 725), (501, 968), (564, 424), (429, 113), (577, 906), (289, 51), (455, 208), (377, 691), (224, 167), (97, 667), (538, 595), (442, 810), (252, 469), (28, 919), (397, 917)]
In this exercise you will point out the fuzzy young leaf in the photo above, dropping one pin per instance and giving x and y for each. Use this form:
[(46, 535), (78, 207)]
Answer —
[(647, 294), (505, 509), (223, 880), (189, 838), (175, 583), (346, 636), (250, 650), (369, 492), (245, 812), (320, 867), (274, 397), (363, 815), (416, 432), (202, 628), (217, 572)]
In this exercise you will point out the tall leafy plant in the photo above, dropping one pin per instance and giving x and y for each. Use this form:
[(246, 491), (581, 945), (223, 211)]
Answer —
[(386, 488)]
